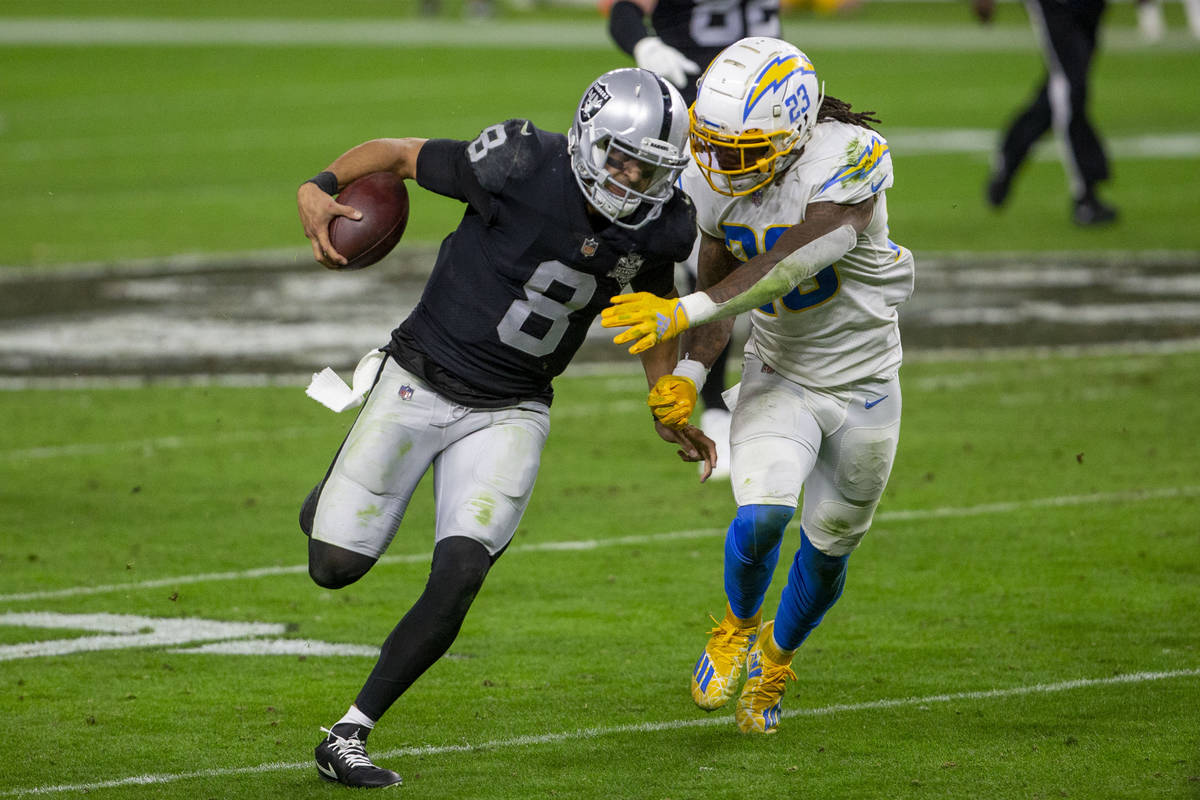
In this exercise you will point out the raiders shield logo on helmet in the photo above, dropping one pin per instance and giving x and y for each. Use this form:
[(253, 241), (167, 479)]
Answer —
[(597, 95)]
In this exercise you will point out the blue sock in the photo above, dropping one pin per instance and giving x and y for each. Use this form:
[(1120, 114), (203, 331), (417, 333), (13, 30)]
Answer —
[(815, 583), (751, 553)]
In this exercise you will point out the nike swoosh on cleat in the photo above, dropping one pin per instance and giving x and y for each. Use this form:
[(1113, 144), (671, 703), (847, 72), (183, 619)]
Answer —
[(329, 771), (869, 404)]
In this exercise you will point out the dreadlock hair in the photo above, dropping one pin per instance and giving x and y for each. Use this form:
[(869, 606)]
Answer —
[(839, 111)]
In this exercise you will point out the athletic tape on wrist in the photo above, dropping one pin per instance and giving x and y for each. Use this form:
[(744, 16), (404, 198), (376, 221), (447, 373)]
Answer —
[(692, 369)]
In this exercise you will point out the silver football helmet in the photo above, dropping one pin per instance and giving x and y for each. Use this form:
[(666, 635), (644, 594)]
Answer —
[(628, 144)]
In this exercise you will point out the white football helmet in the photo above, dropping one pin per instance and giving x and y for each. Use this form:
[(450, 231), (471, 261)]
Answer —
[(628, 144), (755, 107)]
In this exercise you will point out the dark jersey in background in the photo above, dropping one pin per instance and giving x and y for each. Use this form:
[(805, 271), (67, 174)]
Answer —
[(700, 29)]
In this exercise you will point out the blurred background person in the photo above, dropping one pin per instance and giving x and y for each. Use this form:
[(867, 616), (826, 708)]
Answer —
[(1067, 31), (684, 35), (1153, 23)]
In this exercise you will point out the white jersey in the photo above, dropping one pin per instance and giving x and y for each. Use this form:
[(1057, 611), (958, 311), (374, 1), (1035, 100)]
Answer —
[(841, 325)]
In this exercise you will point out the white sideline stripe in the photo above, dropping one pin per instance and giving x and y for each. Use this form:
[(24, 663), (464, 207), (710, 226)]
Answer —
[(158, 443), (281, 647), (904, 143), (952, 355), (240, 437), (299, 569), (939, 141), (1133, 496), (20, 383), (642, 727), (188, 263), (574, 35)]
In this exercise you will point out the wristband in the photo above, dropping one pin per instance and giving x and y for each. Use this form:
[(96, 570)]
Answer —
[(326, 181), (693, 370), (699, 308)]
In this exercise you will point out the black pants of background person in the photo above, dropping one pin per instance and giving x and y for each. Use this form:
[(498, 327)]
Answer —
[(1067, 32)]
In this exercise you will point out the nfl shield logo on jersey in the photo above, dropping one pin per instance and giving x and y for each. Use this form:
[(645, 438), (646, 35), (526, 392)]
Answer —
[(406, 392), (588, 248)]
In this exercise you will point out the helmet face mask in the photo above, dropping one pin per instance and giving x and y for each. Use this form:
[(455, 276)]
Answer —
[(755, 109), (628, 144)]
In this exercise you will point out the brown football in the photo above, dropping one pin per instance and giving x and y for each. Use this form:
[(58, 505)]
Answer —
[(383, 201)]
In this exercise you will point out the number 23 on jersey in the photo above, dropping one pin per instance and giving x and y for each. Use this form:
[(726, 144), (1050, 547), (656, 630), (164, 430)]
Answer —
[(743, 242)]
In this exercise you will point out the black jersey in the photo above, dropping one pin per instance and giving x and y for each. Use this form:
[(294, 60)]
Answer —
[(517, 285), (700, 29)]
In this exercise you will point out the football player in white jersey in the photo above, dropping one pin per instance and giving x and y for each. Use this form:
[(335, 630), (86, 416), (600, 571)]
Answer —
[(790, 194)]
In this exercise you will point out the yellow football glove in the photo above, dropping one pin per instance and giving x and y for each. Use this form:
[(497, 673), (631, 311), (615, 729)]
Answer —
[(651, 319), (673, 399)]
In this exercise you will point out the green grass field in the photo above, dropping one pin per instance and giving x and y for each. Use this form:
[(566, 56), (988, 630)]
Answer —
[(1023, 620), (1039, 529)]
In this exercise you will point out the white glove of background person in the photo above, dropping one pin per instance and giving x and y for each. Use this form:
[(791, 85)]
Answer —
[(655, 55)]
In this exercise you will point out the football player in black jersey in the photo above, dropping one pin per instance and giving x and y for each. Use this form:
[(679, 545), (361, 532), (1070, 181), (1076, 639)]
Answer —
[(554, 226)]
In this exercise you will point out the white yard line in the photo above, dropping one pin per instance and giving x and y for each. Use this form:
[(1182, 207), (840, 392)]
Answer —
[(612, 730), (883, 517)]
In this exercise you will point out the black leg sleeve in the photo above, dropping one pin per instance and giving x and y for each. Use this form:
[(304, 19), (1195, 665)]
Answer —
[(430, 626)]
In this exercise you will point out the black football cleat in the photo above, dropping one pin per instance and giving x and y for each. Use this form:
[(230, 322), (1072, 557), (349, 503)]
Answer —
[(999, 182), (1090, 211), (997, 189), (344, 760)]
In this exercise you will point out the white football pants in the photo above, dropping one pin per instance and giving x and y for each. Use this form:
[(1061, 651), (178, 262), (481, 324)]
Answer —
[(838, 445), (484, 464)]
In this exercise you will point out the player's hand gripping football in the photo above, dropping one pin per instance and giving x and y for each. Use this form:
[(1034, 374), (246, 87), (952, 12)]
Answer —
[(650, 319), (317, 211), (672, 400)]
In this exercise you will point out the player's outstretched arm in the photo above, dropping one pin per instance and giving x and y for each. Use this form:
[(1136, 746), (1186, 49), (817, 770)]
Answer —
[(657, 362), (672, 397), (314, 198), (829, 231)]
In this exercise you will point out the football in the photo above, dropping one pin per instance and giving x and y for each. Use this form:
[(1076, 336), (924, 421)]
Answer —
[(383, 201)]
